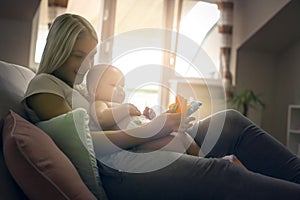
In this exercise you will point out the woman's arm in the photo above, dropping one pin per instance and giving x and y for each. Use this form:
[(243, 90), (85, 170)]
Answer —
[(47, 105), (159, 127), (111, 116)]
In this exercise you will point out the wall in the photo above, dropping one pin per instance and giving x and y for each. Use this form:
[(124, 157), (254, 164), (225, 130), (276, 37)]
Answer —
[(249, 17), (16, 21), (256, 71), (288, 72), (252, 15), (268, 62), (15, 41), (286, 88)]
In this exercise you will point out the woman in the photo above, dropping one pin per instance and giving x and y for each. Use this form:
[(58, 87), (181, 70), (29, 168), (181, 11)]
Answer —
[(273, 172)]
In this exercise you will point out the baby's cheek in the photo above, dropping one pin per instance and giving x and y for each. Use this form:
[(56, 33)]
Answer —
[(118, 98), (123, 96)]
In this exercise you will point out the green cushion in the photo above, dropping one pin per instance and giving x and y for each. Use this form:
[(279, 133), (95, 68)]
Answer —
[(71, 134)]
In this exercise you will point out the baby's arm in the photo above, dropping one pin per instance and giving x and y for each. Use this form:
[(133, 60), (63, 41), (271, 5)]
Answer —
[(110, 116)]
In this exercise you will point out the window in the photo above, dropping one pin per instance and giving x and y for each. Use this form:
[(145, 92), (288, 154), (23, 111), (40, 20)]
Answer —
[(198, 23), (187, 20), (49, 9), (193, 20), (142, 78)]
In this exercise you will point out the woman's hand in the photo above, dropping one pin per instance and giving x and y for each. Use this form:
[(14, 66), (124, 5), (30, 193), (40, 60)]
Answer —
[(234, 160), (169, 122), (185, 124), (161, 126)]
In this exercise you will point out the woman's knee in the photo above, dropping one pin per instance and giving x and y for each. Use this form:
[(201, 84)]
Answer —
[(219, 117), (227, 123), (234, 117), (233, 114)]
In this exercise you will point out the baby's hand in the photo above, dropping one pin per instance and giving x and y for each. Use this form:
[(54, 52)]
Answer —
[(133, 110), (149, 113)]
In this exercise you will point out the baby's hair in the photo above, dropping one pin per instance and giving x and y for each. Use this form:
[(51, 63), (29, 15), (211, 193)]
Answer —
[(94, 75)]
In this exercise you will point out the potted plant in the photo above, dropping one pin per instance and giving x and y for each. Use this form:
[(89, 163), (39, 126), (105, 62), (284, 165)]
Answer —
[(245, 100)]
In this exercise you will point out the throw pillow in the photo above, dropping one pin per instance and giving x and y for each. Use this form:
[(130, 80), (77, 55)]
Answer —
[(71, 134), (41, 170)]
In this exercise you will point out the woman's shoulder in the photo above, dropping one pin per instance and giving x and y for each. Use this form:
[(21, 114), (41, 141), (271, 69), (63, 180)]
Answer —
[(46, 83), (44, 78)]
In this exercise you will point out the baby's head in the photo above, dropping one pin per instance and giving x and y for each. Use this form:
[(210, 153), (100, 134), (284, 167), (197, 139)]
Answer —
[(106, 83)]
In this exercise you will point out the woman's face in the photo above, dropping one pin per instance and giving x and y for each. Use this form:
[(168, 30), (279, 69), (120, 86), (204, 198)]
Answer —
[(79, 62)]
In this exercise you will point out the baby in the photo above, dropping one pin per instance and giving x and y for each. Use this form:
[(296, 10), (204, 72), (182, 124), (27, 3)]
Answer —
[(105, 85)]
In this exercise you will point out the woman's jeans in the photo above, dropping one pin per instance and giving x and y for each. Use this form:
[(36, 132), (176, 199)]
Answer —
[(273, 171)]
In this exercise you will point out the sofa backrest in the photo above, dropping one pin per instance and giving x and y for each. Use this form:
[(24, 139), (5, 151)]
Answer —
[(13, 83)]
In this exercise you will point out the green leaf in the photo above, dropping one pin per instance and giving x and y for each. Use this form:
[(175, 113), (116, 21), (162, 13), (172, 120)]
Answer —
[(246, 99)]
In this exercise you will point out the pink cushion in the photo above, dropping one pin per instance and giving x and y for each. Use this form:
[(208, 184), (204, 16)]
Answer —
[(9, 188), (37, 165)]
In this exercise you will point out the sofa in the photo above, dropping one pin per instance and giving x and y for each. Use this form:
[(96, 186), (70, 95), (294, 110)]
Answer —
[(27, 173), (13, 82)]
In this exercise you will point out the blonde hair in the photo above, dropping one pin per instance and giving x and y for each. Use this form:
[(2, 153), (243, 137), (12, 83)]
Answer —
[(61, 38)]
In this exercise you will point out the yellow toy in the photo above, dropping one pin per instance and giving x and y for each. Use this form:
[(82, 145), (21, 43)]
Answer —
[(182, 106)]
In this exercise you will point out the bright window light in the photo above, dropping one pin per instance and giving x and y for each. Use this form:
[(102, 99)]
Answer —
[(197, 24)]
